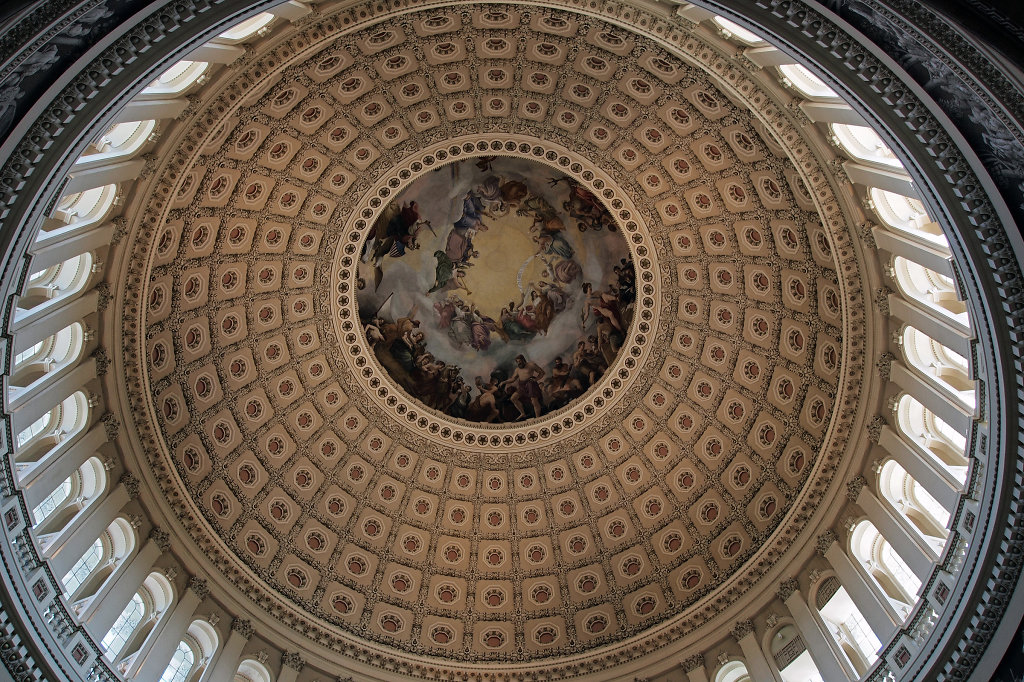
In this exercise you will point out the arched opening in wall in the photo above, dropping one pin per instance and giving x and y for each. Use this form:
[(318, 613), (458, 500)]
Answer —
[(730, 29), (182, 662), (203, 640), (885, 567), (791, 657), (864, 144), (45, 359), (72, 497), (57, 282), (250, 670), (81, 208), (907, 497), (42, 438), (933, 290), (806, 83), (121, 140), (149, 604), (940, 364), (177, 79), (110, 550), (937, 439), (846, 624), (905, 214), (733, 671)]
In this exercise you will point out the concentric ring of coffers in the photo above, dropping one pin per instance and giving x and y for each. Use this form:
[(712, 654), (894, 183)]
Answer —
[(379, 527)]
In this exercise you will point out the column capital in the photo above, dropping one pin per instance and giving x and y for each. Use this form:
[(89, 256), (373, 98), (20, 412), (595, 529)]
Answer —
[(787, 587), (111, 425), (691, 663), (161, 537), (875, 427), (199, 587), (131, 483), (825, 540), (243, 626), (293, 660), (854, 487), (741, 629)]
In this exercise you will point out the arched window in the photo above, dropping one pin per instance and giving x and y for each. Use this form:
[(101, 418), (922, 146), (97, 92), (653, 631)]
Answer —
[(99, 561), (46, 357), (733, 30), (54, 500), (86, 206), (124, 626), (936, 291), (177, 79), (34, 429), (792, 659), (65, 420), (946, 367), (733, 671), (944, 444), (56, 348), (181, 664), (864, 144), (78, 574), (878, 559), (907, 215), (251, 670), (121, 140), (139, 617), (69, 499), (56, 282), (805, 82), (914, 503), (247, 28), (204, 641), (846, 623)]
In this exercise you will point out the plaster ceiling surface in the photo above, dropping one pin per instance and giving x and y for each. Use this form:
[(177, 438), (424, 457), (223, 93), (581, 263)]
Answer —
[(365, 517)]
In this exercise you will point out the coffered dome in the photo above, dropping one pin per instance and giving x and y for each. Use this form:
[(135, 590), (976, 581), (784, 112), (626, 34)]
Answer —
[(506, 341)]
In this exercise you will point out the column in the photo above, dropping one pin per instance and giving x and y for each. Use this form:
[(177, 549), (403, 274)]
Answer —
[(939, 483), (30, 405), (44, 321), (215, 53), (63, 460), (156, 651), (72, 244), (152, 109), (694, 668), (231, 653), (891, 181), (878, 611), (832, 112), (757, 664), (766, 55), (945, 330), (820, 644), (291, 665), (103, 175), (917, 554), (65, 547), (933, 257), (942, 403)]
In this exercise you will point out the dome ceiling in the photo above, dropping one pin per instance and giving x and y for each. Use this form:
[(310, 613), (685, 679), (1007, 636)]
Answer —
[(361, 509)]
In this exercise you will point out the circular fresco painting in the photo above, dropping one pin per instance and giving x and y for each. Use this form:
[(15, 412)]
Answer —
[(496, 289)]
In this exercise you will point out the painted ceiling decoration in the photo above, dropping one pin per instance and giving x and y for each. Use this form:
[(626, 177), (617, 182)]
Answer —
[(506, 341)]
